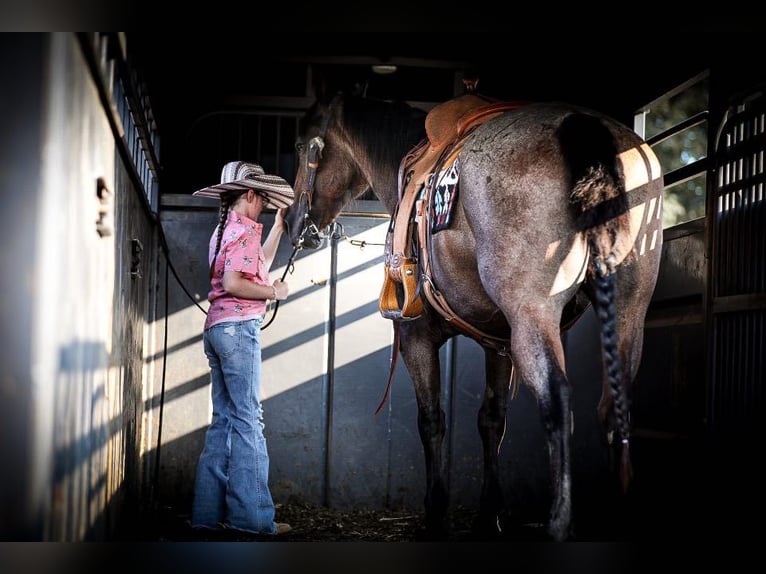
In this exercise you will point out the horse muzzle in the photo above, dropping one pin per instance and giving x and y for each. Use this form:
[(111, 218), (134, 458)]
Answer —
[(310, 236), (312, 239)]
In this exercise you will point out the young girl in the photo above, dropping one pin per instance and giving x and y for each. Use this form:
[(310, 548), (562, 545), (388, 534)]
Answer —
[(231, 488)]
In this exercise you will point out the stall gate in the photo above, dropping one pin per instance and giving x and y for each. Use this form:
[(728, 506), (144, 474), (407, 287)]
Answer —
[(736, 302)]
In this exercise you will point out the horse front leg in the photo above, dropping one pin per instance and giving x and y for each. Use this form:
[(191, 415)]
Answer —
[(539, 357), (431, 427), (421, 357), (492, 424)]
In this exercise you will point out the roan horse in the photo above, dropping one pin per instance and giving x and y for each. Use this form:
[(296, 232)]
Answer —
[(557, 207)]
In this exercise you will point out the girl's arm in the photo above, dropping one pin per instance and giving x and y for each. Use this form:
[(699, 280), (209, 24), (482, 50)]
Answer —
[(237, 284), (272, 240)]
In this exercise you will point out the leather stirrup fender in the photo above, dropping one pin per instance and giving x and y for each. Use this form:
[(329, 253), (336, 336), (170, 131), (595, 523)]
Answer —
[(401, 300), (388, 303)]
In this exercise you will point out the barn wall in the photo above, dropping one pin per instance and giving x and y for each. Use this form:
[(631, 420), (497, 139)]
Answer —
[(78, 362), (21, 101)]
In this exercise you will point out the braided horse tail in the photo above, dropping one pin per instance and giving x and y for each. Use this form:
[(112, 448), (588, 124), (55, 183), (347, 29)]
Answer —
[(600, 202), (605, 309), (598, 197), (601, 229), (601, 233)]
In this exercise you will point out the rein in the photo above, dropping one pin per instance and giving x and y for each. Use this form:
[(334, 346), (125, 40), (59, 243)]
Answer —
[(288, 267)]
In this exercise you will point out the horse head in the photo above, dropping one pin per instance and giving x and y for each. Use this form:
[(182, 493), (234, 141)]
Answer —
[(339, 159), (327, 177)]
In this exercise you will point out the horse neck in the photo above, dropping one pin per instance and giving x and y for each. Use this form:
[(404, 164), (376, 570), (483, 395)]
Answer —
[(382, 175), (391, 131), (383, 180)]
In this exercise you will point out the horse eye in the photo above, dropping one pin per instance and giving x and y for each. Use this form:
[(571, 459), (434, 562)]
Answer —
[(299, 146)]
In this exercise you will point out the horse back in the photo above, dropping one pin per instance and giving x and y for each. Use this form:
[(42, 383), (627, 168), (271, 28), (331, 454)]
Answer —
[(551, 186), (550, 170)]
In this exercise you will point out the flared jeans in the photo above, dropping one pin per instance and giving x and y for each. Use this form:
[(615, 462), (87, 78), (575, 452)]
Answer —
[(231, 487)]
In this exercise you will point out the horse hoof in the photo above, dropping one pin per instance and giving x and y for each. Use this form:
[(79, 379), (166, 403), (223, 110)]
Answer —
[(558, 532)]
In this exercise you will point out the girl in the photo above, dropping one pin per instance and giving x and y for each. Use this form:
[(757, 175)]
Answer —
[(231, 488)]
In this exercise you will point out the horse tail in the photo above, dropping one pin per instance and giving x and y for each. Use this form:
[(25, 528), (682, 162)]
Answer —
[(604, 264), (605, 309), (601, 208), (600, 231)]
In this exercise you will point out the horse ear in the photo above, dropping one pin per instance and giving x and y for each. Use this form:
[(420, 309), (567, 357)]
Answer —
[(326, 81), (360, 89), (319, 84)]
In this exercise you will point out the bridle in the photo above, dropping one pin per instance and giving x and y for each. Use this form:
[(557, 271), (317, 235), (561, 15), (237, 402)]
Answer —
[(316, 146)]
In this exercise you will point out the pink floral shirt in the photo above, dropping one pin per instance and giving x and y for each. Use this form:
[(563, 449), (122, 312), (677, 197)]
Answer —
[(241, 250)]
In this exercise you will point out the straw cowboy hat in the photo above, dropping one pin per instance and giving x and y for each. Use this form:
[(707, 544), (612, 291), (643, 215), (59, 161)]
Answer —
[(240, 176)]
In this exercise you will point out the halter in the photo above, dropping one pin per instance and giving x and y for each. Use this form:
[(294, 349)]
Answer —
[(316, 146)]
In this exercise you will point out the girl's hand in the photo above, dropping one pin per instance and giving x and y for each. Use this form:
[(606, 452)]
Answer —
[(281, 289), (279, 218)]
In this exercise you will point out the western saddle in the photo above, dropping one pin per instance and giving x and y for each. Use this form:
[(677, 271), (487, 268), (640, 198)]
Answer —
[(448, 127)]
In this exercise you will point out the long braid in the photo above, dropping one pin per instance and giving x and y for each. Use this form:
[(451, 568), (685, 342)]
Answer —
[(227, 200), (605, 289)]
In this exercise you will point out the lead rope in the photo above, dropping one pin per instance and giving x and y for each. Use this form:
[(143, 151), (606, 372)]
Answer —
[(288, 267)]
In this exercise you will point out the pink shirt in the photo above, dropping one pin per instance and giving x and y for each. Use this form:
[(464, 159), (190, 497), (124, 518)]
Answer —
[(241, 250)]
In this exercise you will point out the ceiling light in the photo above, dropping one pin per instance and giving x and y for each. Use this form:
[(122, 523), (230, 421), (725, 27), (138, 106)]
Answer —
[(383, 68)]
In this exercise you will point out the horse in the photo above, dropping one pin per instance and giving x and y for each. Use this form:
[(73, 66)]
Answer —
[(557, 207)]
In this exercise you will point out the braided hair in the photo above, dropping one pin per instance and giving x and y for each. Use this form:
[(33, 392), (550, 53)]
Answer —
[(227, 200)]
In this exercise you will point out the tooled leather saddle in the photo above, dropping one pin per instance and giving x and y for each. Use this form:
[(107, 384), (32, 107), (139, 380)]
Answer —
[(448, 127)]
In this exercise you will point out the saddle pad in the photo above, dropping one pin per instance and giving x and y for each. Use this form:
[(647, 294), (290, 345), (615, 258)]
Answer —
[(444, 196)]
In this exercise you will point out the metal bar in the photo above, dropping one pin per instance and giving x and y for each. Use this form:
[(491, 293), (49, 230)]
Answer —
[(688, 123), (328, 391), (744, 302), (687, 172)]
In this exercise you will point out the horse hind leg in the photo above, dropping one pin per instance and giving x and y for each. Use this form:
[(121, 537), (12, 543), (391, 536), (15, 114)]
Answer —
[(538, 355), (492, 424)]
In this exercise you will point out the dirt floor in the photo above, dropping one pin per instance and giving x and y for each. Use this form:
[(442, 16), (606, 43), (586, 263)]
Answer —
[(312, 523), (350, 542)]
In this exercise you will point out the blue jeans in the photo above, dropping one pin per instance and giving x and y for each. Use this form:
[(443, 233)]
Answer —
[(231, 488)]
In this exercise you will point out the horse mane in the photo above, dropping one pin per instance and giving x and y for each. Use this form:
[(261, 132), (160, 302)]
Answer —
[(397, 123)]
